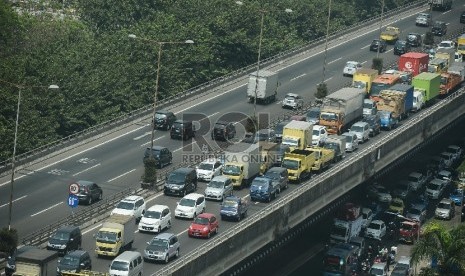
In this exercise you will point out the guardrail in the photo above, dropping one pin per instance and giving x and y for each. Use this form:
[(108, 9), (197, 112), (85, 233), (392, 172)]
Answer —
[(200, 89)]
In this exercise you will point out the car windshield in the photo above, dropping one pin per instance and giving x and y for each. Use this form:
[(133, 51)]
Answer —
[(187, 202), (351, 65), (414, 211), (413, 178), (316, 132), (367, 105), (220, 126), (443, 205), (216, 184), (125, 205), (120, 266), (106, 237), (158, 245), (382, 190), (401, 43), (349, 138), (290, 98), (272, 175), (290, 164), (231, 170), (259, 183), (384, 115), (374, 226), (396, 204), (356, 129), (376, 271), (202, 221), (456, 193), (69, 260), (230, 203), (61, 235), (328, 116), (156, 153), (178, 125), (176, 178), (445, 44), (206, 166), (160, 116), (313, 114), (434, 186), (152, 214)]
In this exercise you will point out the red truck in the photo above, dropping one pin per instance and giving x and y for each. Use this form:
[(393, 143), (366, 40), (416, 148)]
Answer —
[(409, 231), (414, 62), (449, 82)]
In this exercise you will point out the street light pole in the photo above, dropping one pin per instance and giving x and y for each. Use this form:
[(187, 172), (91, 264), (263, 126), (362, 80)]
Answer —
[(326, 41), (258, 67), (380, 26)]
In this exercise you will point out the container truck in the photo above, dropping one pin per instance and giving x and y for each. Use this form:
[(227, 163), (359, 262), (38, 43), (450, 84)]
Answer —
[(393, 101), (37, 262), (414, 62), (264, 86), (441, 5), (297, 134), (347, 224), (369, 107), (299, 164), (342, 108), (408, 90), (447, 54), (382, 82), (363, 78), (426, 84), (449, 82), (242, 163), (338, 145), (115, 235)]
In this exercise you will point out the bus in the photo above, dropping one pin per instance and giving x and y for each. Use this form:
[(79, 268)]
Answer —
[(341, 260)]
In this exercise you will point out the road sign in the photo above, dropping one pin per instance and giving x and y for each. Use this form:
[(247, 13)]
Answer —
[(73, 188), (73, 200)]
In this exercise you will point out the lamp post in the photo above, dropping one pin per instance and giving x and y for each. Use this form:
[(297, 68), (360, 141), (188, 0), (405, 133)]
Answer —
[(380, 26), (13, 159), (260, 38), (160, 46), (326, 41)]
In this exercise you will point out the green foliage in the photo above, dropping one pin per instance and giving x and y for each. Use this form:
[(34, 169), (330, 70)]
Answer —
[(429, 38), (150, 171), (321, 90), (377, 64), (8, 240), (251, 124)]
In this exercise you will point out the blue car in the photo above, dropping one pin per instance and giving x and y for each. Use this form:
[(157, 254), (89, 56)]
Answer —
[(457, 196), (263, 189)]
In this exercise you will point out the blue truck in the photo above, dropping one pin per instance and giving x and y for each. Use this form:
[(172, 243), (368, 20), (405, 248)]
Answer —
[(234, 208)]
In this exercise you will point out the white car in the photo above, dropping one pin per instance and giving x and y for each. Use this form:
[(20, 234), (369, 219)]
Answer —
[(416, 180), (208, 169), (319, 135), (376, 230), (446, 44), (220, 187), (445, 176), (131, 206), (293, 101), (380, 193), (362, 130), (155, 219), (367, 217), (351, 141), (456, 151), (448, 158), (445, 209), (351, 67), (423, 19), (190, 206), (435, 188)]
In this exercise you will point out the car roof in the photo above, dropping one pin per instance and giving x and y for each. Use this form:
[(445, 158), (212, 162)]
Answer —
[(220, 178), (157, 207), (379, 265), (164, 111), (132, 198), (183, 170), (353, 62), (205, 215), (292, 95), (193, 196), (210, 161), (77, 253), (279, 169), (164, 236), (84, 182), (222, 123), (417, 174), (67, 228), (180, 121), (158, 148), (404, 260), (377, 221), (360, 123)]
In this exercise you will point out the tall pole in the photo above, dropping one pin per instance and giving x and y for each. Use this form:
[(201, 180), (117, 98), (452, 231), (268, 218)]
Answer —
[(258, 66), (380, 26), (13, 160), (160, 45), (326, 42)]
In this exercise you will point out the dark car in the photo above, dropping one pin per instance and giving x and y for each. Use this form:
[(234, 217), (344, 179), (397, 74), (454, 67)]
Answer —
[(374, 121), (378, 43), (223, 131), (181, 182), (401, 47), (164, 119), (462, 17), (75, 261), (89, 192), (313, 115), (278, 130), (414, 39), (182, 130), (11, 263), (439, 28), (65, 239), (162, 155)]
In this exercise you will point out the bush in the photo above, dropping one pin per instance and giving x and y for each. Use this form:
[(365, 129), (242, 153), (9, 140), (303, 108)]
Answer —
[(8, 240), (377, 64), (321, 90), (150, 171)]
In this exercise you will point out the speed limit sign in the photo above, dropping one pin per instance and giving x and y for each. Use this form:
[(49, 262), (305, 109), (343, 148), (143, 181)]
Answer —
[(73, 188)]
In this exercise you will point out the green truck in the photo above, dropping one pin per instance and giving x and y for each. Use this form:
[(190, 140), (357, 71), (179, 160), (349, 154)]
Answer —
[(426, 89), (299, 164)]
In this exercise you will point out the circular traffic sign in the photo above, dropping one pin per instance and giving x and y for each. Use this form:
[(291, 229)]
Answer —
[(73, 188)]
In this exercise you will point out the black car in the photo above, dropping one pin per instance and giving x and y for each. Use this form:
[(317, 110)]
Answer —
[(414, 39), (164, 119), (462, 17), (223, 131), (89, 192), (65, 239), (181, 182), (162, 155), (439, 28), (374, 121), (278, 130), (183, 130), (401, 47), (74, 261), (378, 43)]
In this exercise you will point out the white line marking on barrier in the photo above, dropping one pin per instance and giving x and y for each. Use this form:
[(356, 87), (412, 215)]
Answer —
[(46, 209), (121, 175), (149, 142), (19, 198), (87, 169)]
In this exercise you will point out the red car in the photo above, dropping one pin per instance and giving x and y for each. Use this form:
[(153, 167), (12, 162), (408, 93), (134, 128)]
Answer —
[(203, 226)]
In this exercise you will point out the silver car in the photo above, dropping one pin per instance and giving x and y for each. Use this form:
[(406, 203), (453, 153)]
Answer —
[(351, 141), (162, 247), (293, 101), (219, 188)]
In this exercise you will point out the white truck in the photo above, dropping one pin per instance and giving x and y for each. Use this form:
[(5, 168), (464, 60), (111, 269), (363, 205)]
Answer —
[(343, 230), (242, 163), (441, 5), (36, 261), (115, 235), (262, 86), (297, 134), (338, 144)]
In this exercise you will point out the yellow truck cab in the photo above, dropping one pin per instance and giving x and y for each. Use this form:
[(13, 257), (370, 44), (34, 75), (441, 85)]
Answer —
[(324, 157), (115, 235), (363, 78), (299, 164), (461, 44), (390, 34)]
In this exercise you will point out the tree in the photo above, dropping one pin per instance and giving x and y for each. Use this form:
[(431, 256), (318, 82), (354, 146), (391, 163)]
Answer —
[(377, 64), (8, 240), (447, 246), (429, 39), (149, 179), (321, 90), (251, 124)]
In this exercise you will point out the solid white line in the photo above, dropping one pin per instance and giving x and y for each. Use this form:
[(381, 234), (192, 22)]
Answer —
[(364, 47), (87, 169), (46, 209), (182, 232), (299, 76), (13, 201), (182, 147), (211, 115), (81, 152), (121, 175), (90, 229), (334, 60), (328, 79), (142, 136), (149, 142)]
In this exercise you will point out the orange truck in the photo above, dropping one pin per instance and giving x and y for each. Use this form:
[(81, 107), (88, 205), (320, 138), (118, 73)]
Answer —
[(382, 82), (449, 82)]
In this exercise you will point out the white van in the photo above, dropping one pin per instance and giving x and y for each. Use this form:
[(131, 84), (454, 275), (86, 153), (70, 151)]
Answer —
[(129, 263)]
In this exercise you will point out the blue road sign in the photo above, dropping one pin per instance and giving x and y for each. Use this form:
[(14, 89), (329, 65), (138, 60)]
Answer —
[(73, 200)]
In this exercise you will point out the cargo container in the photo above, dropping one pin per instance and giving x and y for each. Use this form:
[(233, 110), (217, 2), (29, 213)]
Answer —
[(382, 82), (242, 163), (363, 78), (408, 90), (263, 85), (461, 44), (427, 84), (297, 134), (414, 62)]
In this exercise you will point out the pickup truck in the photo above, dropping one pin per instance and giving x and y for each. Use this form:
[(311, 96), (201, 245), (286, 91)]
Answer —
[(234, 207), (324, 158), (390, 34)]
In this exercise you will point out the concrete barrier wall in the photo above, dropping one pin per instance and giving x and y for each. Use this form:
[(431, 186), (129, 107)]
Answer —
[(225, 250)]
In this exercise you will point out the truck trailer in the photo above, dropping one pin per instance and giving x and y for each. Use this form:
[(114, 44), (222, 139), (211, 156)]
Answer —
[(414, 62), (426, 89), (297, 134), (242, 163), (262, 86)]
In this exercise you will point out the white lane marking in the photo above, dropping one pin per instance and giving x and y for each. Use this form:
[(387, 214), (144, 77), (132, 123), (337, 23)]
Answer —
[(90, 229), (334, 60), (87, 169), (149, 142), (364, 47), (365, 62), (142, 136), (183, 147), (299, 76), (447, 12), (81, 152), (182, 232), (328, 79), (19, 198), (46, 209), (389, 50), (211, 115), (121, 175)]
